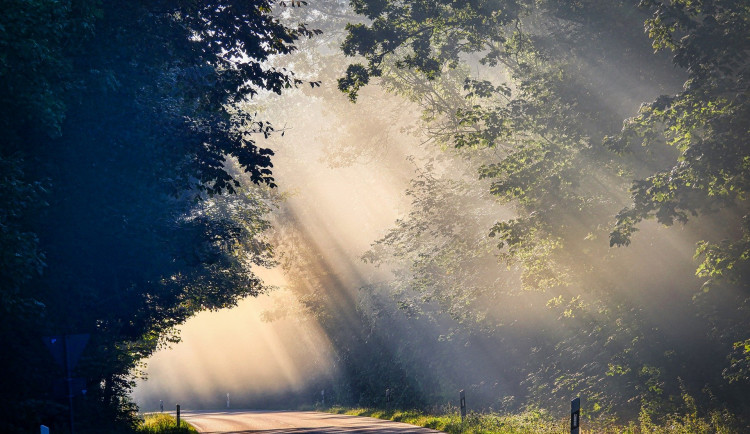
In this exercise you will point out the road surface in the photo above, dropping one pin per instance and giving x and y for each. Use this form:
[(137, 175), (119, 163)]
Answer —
[(296, 422)]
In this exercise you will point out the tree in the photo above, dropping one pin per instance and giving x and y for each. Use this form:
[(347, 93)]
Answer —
[(544, 128), (553, 81), (120, 115), (706, 123)]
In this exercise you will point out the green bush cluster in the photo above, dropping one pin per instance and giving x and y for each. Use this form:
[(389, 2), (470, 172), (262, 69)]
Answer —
[(163, 423)]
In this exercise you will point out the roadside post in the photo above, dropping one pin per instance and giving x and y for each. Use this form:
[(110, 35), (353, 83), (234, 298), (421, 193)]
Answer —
[(161, 406), (462, 395), (66, 350), (387, 399), (178, 416), (575, 416), (227, 400), (323, 397)]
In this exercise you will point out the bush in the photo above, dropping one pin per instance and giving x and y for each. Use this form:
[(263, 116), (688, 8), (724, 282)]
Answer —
[(163, 423)]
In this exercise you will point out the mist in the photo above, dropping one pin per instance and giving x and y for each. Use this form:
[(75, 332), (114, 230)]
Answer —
[(300, 205), (390, 275), (342, 171)]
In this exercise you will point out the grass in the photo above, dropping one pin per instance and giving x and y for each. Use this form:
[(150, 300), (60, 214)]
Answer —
[(163, 423), (541, 422), (530, 422)]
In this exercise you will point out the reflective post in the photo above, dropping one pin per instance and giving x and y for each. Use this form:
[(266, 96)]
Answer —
[(462, 395), (575, 416), (178, 416), (69, 381)]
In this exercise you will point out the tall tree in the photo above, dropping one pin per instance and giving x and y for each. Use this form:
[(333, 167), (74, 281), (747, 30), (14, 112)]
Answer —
[(120, 115), (555, 79)]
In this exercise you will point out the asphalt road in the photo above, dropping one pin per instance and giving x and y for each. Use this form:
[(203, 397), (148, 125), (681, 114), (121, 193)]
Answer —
[(297, 422)]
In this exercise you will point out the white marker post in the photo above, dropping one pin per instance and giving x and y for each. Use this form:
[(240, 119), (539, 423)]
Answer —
[(227, 400)]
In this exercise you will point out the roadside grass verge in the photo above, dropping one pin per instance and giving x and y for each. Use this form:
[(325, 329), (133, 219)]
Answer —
[(163, 423), (536, 421), (541, 422)]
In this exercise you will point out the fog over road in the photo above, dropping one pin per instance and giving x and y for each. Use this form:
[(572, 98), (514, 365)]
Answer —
[(298, 422)]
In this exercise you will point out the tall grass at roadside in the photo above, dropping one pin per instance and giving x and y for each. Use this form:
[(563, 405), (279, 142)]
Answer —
[(164, 423), (535, 421)]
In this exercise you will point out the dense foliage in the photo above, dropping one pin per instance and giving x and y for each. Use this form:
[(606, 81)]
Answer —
[(539, 99), (117, 217), (529, 268)]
